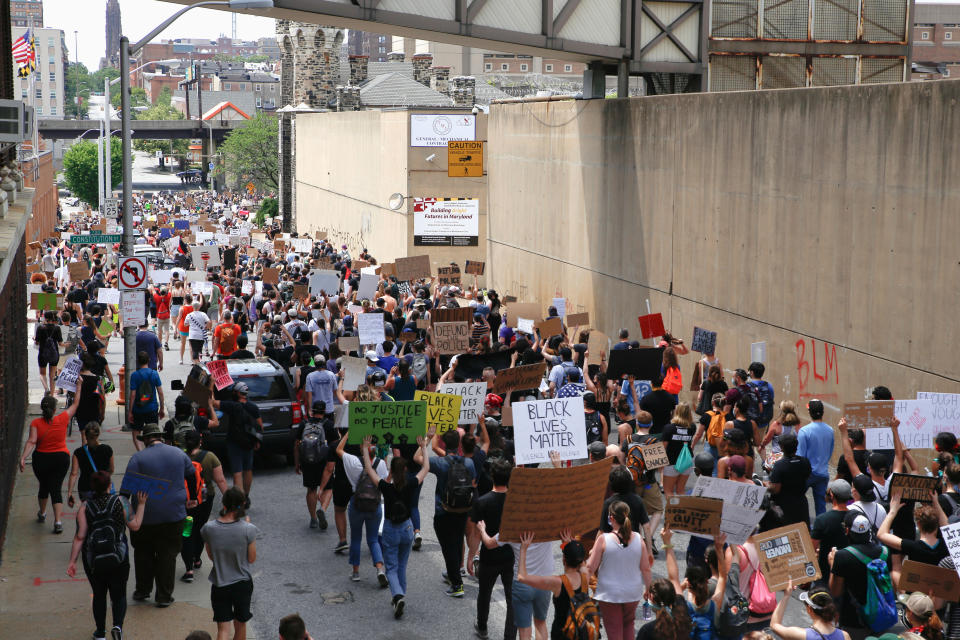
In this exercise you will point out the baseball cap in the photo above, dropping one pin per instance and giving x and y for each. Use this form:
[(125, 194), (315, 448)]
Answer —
[(840, 489), (319, 406), (817, 597), (864, 486), (856, 522), (920, 604), (371, 356), (736, 436), (597, 450), (241, 387), (493, 400)]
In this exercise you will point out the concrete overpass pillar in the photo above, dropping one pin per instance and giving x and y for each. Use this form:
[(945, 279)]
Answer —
[(594, 81)]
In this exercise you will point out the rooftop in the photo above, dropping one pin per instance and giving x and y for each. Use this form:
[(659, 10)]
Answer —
[(396, 90)]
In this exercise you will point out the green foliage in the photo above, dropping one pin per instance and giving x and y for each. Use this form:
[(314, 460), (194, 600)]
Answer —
[(138, 98), (89, 83), (250, 154), (165, 97), (80, 169), (162, 111), (269, 208)]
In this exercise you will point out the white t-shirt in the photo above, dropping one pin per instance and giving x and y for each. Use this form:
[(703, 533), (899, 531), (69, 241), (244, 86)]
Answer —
[(353, 466), (196, 322), (873, 510), (540, 560)]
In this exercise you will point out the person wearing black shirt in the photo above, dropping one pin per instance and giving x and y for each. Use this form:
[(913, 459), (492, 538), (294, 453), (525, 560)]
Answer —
[(788, 482), (239, 453), (398, 499), (497, 562), (848, 574), (659, 404), (312, 473), (48, 358), (242, 353), (624, 490), (828, 531)]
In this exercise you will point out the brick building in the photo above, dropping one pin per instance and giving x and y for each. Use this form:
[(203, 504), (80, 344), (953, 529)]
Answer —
[(936, 41), (376, 46), (23, 11), (39, 174)]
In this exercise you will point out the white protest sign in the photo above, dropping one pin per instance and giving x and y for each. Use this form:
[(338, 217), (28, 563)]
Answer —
[(246, 286), (206, 288), (368, 286), (741, 505), (302, 245), (133, 308), (195, 276), (951, 535), (108, 296), (917, 426), (525, 325), (204, 256), (370, 326), (354, 372), (325, 280), (543, 426), (70, 374), (472, 394), (161, 276), (945, 411), (203, 237), (560, 304)]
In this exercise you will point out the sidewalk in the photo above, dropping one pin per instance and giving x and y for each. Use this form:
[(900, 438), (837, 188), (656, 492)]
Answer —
[(38, 599)]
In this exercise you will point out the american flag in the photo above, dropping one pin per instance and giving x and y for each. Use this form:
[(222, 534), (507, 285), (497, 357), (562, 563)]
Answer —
[(23, 50)]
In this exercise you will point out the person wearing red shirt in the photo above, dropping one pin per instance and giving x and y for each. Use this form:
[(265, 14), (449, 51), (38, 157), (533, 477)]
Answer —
[(225, 336), (161, 299)]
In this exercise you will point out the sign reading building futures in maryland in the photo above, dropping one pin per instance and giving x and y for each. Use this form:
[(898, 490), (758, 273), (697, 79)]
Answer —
[(446, 222), (437, 129)]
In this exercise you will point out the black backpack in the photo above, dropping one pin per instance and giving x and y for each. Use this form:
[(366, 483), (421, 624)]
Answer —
[(458, 497), (754, 409), (144, 393), (106, 548), (313, 444), (366, 496), (594, 426), (49, 349)]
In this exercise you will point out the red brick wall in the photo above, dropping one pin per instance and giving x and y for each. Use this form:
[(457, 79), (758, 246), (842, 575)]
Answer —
[(39, 174)]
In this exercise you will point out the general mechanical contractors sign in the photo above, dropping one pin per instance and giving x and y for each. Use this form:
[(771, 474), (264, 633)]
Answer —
[(446, 222), (437, 129)]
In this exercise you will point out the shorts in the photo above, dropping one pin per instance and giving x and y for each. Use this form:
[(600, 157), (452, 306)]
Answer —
[(232, 602), (239, 458), (529, 603), (140, 419), (196, 348), (184, 333), (46, 363), (312, 474), (670, 471), (652, 496), (342, 492)]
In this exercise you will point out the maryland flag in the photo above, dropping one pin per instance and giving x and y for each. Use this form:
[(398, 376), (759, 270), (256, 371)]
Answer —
[(25, 54)]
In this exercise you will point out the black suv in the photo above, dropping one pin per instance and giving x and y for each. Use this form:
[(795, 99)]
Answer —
[(273, 393)]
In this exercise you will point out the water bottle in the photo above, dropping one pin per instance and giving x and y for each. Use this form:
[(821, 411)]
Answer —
[(647, 611), (188, 527)]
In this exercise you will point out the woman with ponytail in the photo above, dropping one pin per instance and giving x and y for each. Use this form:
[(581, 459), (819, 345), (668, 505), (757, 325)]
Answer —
[(51, 457), (672, 621), (622, 566), (822, 610)]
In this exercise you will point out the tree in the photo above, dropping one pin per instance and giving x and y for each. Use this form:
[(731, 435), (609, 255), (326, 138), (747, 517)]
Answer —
[(176, 148), (138, 98), (76, 76), (269, 208), (80, 169), (250, 153), (165, 97)]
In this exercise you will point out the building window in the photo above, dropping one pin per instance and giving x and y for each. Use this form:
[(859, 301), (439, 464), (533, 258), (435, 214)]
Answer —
[(49, 42), (23, 94), (948, 35), (549, 67), (53, 96), (256, 87), (524, 67), (273, 88), (259, 103), (487, 66), (39, 93), (568, 68), (39, 109), (504, 66), (925, 35), (383, 49), (53, 76), (53, 110), (226, 86)]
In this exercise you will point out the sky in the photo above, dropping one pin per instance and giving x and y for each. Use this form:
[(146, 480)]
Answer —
[(138, 18)]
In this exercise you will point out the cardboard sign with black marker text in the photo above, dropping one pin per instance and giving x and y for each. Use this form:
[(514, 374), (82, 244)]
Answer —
[(699, 516), (785, 553)]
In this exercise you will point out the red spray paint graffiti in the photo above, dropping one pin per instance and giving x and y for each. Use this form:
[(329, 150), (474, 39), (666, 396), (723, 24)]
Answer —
[(826, 371)]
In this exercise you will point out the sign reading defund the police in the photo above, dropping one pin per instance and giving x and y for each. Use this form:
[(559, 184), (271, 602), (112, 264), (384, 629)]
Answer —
[(543, 426)]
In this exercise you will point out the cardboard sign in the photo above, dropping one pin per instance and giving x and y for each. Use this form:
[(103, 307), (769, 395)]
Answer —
[(423, 323), (785, 553), (655, 455), (644, 364), (546, 501), (951, 536), (408, 336), (321, 235), (703, 341), (413, 268), (919, 576), (354, 372), (134, 483), (869, 414), (741, 505), (914, 487), (472, 395), (542, 426), (578, 319), (456, 314), (699, 516), (597, 346), (523, 377), (370, 328), (507, 299), (387, 270), (443, 409), (394, 423), (449, 275), (651, 325), (451, 337), (197, 386), (550, 327), (221, 377), (529, 310), (271, 275), (474, 267), (348, 343), (106, 327), (279, 246), (78, 271), (300, 291)]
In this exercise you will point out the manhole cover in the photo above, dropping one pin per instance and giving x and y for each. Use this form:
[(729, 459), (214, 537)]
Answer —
[(336, 598)]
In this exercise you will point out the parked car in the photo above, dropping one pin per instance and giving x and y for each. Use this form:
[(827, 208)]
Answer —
[(273, 393), (154, 255)]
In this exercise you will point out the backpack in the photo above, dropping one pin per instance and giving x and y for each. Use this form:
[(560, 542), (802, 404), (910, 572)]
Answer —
[(672, 381), (764, 391), (106, 548), (242, 429), (198, 476), (569, 373), (736, 610), (703, 628), (49, 349), (715, 429), (181, 428), (313, 444), (954, 516), (879, 612), (144, 394), (583, 617), (749, 392), (594, 426), (458, 497), (634, 458), (762, 600), (366, 497)]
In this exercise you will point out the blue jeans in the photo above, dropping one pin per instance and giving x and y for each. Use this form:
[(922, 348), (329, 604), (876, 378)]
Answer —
[(358, 521), (819, 485), (415, 511), (712, 450), (397, 540)]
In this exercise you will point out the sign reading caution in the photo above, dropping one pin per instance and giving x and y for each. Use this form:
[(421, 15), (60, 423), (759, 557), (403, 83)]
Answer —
[(465, 159)]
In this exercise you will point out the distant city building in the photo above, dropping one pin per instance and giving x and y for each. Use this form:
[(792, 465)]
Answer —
[(936, 41), (22, 12), (268, 46), (43, 89), (375, 46), (264, 86), (111, 56)]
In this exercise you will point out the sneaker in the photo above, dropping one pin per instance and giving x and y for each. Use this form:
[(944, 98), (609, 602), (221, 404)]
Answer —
[(187, 577), (355, 576), (41, 516), (164, 604), (480, 633), (455, 592), (342, 546), (99, 637), (166, 346), (417, 541), (382, 579), (322, 519), (116, 633), (140, 597), (58, 527), (314, 524), (398, 605)]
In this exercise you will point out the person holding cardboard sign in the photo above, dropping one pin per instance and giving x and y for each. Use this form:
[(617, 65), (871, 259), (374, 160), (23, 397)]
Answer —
[(929, 547)]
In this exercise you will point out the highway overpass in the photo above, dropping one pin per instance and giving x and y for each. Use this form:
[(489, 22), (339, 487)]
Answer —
[(142, 129)]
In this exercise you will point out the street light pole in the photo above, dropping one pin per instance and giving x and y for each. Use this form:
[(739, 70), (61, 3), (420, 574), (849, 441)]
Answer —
[(107, 171)]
